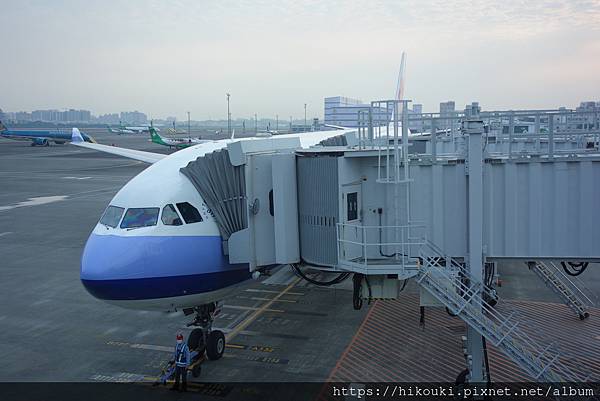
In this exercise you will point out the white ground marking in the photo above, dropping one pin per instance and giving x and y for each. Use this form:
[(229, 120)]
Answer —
[(5, 233), (76, 178), (143, 333), (41, 200)]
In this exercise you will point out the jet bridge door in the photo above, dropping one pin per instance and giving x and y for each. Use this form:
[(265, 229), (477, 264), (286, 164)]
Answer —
[(272, 234), (351, 231), (261, 222)]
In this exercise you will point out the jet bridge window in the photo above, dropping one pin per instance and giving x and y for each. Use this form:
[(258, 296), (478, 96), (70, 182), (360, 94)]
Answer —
[(189, 212), (140, 217), (170, 217), (352, 206), (112, 216)]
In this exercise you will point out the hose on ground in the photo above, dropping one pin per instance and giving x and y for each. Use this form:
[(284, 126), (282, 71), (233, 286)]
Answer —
[(341, 277), (575, 268)]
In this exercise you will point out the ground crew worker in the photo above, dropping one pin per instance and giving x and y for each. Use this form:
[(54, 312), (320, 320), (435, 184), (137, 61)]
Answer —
[(182, 361)]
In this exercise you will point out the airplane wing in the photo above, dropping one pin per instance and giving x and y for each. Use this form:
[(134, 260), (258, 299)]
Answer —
[(147, 157), (336, 126)]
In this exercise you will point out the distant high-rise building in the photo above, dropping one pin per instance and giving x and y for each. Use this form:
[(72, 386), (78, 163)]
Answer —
[(112, 118), (417, 111), (343, 111), (133, 117), (22, 116), (70, 115)]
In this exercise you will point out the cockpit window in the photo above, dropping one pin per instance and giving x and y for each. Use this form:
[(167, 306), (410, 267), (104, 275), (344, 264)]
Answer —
[(112, 216), (140, 217), (170, 217), (190, 213)]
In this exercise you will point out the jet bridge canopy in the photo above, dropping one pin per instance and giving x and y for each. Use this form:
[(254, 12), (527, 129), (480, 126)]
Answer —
[(223, 187)]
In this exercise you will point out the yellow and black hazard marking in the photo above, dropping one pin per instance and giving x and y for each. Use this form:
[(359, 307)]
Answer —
[(263, 359), (210, 389), (255, 348)]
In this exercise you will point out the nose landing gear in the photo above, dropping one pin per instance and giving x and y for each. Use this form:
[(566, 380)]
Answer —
[(204, 338)]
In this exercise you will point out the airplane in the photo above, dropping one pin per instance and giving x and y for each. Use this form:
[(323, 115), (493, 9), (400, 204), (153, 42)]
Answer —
[(40, 138), (174, 130), (161, 250), (126, 129), (178, 143)]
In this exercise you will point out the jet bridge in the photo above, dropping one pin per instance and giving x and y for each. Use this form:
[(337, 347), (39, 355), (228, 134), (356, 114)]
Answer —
[(440, 207)]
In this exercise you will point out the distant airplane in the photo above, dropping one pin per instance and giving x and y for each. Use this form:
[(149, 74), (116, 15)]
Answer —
[(175, 131), (127, 129), (178, 143), (40, 138)]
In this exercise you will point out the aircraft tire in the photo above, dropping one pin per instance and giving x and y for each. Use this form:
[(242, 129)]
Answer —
[(215, 345), (195, 341)]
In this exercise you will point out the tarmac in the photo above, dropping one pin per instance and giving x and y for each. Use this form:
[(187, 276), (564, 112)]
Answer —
[(51, 329)]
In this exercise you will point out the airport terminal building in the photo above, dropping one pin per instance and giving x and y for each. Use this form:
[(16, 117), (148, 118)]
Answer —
[(343, 111)]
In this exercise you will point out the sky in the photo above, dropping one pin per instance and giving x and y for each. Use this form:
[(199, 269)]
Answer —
[(169, 57)]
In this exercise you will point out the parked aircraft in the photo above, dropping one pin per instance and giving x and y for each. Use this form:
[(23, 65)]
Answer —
[(178, 143), (40, 138), (162, 249), (128, 129)]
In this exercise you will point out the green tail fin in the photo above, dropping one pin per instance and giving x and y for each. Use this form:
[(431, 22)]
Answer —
[(155, 137)]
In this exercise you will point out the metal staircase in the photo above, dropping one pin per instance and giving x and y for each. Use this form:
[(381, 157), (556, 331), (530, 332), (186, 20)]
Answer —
[(447, 280), (563, 286)]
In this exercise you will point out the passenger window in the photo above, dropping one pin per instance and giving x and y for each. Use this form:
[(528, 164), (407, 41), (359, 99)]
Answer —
[(112, 216), (189, 213), (170, 217), (140, 217)]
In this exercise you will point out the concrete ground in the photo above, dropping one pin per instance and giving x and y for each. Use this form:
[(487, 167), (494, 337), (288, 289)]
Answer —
[(51, 329)]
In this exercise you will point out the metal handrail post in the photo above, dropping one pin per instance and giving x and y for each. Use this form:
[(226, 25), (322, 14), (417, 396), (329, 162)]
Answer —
[(550, 136)]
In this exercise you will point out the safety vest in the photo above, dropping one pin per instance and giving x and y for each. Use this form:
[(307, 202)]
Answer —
[(180, 355)]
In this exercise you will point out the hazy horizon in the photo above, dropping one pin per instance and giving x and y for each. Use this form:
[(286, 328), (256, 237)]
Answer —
[(168, 58)]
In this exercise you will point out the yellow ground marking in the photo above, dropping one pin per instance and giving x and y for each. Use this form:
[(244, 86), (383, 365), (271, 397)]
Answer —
[(245, 323)]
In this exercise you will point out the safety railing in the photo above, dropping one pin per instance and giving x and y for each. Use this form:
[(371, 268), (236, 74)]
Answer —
[(379, 249), (464, 299)]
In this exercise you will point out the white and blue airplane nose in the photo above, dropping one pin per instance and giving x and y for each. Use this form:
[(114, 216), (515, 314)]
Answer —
[(137, 268)]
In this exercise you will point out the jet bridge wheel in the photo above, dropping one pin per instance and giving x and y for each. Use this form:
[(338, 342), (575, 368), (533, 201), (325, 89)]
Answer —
[(215, 345)]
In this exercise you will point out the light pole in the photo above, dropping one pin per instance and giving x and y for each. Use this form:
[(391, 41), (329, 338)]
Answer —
[(277, 122), (228, 118), (189, 132), (291, 130), (255, 124), (304, 116)]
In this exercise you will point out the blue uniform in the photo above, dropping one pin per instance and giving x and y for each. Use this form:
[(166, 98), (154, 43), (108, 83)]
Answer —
[(181, 356)]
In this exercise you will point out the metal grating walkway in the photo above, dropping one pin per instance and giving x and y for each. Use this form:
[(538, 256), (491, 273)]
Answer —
[(391, 346)]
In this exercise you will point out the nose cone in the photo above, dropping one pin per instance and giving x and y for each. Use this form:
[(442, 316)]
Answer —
[(119, 268), (108, 263)]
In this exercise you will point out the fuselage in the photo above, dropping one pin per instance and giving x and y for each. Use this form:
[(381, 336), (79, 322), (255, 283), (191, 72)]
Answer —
[(160, 266), (38, 137), (137, 258)]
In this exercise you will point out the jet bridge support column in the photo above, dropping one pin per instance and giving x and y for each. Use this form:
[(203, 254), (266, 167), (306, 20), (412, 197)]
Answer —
[(474, 129)]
